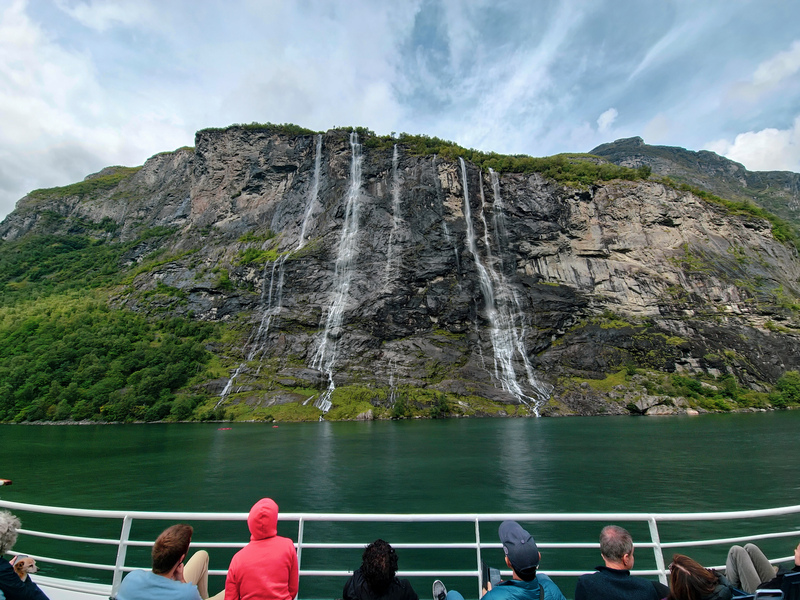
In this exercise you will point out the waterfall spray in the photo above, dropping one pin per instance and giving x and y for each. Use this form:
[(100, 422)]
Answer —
[(325, 355), (505, 337)]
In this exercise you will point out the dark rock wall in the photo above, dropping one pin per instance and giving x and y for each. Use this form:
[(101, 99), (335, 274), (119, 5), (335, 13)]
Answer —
[(595, 278)]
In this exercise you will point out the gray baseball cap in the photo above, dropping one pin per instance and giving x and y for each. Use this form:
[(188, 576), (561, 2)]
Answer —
[(519, 546)]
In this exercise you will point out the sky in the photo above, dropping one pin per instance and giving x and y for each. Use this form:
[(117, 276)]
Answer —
[(86, 84)]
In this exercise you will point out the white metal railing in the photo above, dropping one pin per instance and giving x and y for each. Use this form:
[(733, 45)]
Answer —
[(652, 520)]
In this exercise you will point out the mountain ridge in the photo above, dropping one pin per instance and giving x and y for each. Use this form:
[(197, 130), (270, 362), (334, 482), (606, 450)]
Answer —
[(624, 295)]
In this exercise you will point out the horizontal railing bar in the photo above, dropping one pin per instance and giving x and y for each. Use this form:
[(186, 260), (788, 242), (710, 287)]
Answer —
[(68, 538), (71, 563), (408, 518), (731, 540)]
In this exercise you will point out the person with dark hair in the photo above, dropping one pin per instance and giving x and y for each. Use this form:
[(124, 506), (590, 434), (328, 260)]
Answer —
[(376, 580), (613, 581), (10, 584), (747, 568), (689, 580), (522, 557), (266, 568), (170, 579)]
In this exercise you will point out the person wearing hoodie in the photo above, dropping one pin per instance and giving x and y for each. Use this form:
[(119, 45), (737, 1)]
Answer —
[(266, 568)]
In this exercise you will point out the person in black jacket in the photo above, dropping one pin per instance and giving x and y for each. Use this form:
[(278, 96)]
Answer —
[(613, 581), (376, 580), (10, 584)]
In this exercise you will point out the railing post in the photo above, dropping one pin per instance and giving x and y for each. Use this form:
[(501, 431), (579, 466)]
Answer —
[(122, 550), (300, 525), (478, 547), (657, 550)]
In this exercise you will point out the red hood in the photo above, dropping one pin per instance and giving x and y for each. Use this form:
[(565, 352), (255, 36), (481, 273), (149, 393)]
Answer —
[(263, 519)]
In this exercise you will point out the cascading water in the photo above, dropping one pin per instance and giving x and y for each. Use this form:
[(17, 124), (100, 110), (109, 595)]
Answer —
[(505, 337), (312, 197), (397, 219), (325, 355), (271, 298)]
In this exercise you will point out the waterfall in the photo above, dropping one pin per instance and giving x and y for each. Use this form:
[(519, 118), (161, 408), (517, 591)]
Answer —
[(391, 255), (392, 384), (271, 299), (499, 298), (325, 355), (312, 197)]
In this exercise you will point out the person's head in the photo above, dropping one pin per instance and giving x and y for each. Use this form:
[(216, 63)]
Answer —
[(616, 546), (8, 531), (379, 566), (522, 554), (263, 519), (171, 548), (797, 555), (689, 580)]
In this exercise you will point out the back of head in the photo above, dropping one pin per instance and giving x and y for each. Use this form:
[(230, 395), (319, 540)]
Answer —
[(379, 566), (263, 519), (615, 542), (8, 531), (689, 580), (170, 546)]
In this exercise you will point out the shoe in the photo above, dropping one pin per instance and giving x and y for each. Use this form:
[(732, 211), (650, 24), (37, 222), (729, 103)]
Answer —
[(439, 591)]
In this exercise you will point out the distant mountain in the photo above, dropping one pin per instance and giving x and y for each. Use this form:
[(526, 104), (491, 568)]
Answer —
[(776, 191), (271, 272)]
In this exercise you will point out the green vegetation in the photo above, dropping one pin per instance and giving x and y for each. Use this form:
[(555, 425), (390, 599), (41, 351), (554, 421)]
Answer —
[(91, 186), (782, 230), (72, 357), (256, 256), (40, 265), (284, 128), (570, 169)]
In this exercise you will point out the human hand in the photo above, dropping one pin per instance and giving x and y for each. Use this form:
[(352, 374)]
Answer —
[(488, 588), (178, 574)]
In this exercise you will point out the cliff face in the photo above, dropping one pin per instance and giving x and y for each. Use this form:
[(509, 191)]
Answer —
[(340, 264), (777, 191)]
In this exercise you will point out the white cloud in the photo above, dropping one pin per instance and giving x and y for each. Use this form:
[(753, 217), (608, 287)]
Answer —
[(766, 150), (606, 120), (771, 75), (101, 15), (59, 123), (783, 65)]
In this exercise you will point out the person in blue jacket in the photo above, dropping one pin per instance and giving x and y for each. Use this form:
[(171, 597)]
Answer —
[(522, 557), (11, 586)]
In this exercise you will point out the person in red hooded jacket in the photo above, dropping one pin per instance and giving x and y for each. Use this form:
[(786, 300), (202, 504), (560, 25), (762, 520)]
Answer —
[(265, 569)]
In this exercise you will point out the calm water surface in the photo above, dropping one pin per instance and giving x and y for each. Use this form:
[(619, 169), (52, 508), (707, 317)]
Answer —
[(712, 462)]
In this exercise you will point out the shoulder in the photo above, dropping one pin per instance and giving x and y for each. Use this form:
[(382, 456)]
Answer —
[(551, 590), (406, 590)]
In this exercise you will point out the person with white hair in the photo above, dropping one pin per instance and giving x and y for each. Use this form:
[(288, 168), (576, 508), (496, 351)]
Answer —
[(11, 586)]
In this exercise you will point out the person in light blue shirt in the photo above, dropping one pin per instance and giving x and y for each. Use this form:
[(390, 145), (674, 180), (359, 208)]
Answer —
[(522, 556), (170, 579)]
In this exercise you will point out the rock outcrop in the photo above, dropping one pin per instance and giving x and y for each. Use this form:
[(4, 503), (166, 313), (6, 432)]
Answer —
[(543, 286)]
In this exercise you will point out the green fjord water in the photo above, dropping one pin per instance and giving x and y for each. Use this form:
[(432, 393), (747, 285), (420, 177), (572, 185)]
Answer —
[(608, 464)]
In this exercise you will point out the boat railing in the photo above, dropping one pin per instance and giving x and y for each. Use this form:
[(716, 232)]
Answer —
[(108, 574)]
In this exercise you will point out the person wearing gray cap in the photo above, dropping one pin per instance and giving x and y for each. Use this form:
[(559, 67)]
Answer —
[(522, 556)]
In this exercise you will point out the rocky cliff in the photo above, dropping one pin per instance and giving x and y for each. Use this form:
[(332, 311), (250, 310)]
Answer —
[(777, 191), (348, 269)]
